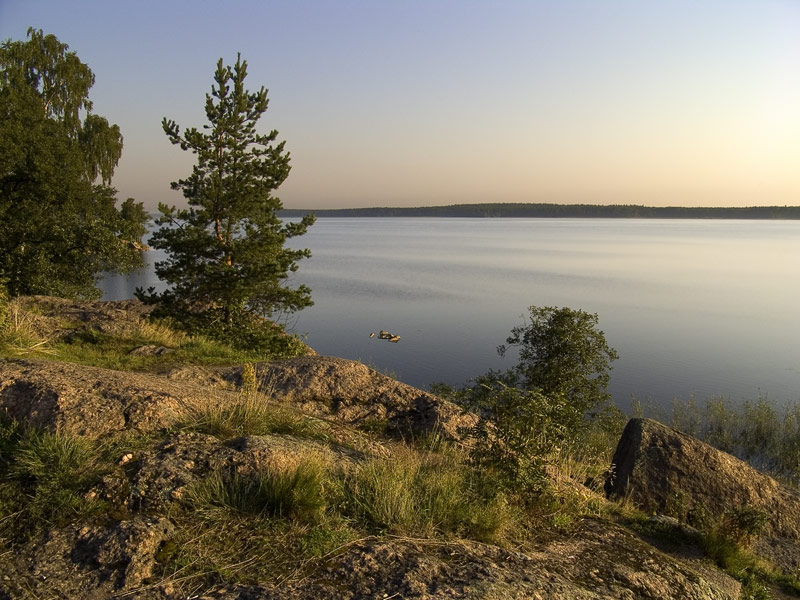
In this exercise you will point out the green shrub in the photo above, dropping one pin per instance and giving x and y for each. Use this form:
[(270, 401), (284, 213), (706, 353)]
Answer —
[(558, 386), (743, 525), (562, 353), (517, 432), (753, 589)]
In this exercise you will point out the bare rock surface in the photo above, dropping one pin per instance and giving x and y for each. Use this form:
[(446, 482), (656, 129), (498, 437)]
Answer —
[(91, 401), (654, 465), (598, 561), (87, 561)]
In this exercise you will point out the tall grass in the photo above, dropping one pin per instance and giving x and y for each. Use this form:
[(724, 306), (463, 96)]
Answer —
[(424, 494), (18, 332), (21, 335)]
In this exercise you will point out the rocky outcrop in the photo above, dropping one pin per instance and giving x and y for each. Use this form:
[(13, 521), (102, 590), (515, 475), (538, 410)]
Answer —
[(598, 560), (93, 402), (352, 393), (657, 467), (155, 458)]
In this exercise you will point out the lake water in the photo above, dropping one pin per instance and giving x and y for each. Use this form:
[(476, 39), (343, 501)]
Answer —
[(694, 308)]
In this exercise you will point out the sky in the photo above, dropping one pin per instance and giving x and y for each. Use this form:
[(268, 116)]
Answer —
[(433, 102)]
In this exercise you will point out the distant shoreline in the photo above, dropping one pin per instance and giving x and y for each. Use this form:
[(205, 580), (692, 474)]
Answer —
[(583, 211)]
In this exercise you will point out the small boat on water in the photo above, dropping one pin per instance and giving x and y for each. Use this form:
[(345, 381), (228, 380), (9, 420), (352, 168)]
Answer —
[(385, 335)]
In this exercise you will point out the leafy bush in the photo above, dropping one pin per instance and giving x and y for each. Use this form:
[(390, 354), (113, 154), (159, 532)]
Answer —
[(516, 432), (527, 412), (562, 353)]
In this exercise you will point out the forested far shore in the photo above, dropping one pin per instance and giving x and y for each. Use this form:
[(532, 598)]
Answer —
[(544, 210)]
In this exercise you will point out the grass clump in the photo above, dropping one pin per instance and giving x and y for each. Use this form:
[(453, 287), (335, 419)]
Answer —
[(425, 494), (252, 414), (293, 492), (18, 332), (255, 527), (44, 479)]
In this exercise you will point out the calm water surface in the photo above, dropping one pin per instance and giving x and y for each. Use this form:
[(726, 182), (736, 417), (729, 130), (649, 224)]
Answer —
[(701, 308)]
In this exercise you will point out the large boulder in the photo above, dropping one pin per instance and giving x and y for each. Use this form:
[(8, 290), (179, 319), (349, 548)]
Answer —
[(657, 468)]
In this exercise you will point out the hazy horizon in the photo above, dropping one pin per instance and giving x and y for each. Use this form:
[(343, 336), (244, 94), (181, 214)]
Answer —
[(450, 102)]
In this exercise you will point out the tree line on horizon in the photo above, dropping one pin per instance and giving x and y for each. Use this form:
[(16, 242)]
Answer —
[(552, 210)]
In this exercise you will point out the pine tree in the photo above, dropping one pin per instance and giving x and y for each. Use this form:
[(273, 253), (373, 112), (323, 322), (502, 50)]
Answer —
[(227, 262)]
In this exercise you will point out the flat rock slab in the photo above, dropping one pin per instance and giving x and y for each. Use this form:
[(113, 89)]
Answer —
[(91, 401), (654, 465)]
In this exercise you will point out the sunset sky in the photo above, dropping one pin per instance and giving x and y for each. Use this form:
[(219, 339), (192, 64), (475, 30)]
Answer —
[(425, 102)]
